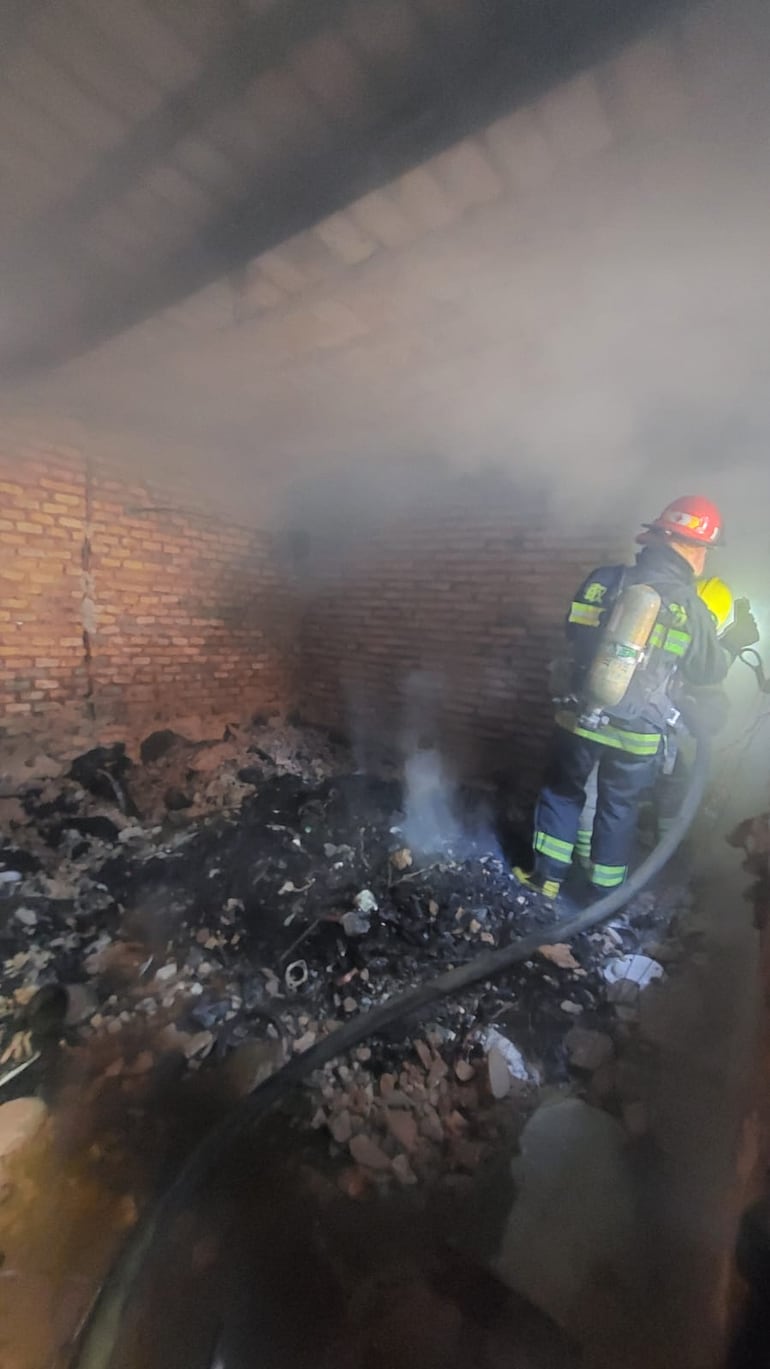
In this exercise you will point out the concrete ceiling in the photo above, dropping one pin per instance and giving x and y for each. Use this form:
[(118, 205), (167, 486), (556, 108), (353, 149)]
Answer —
[(577, 294), (147, 146), (574, 293)]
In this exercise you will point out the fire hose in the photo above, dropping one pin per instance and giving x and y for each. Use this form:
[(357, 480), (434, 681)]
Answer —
[(100, 1334), (751, 657)]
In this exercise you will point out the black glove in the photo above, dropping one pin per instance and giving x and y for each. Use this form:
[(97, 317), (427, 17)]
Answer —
[(743, 631)]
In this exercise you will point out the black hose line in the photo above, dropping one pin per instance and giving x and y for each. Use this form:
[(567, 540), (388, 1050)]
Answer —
[(100, 1333)]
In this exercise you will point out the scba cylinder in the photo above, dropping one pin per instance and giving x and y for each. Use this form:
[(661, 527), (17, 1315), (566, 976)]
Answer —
[(622, 646)]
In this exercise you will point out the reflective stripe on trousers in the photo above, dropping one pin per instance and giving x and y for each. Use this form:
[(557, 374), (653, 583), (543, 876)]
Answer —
[(622, 778), (553, 848), (608, 876)]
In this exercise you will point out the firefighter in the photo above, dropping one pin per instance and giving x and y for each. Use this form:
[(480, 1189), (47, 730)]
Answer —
[(625, 740), (713, 703), (666, 801)]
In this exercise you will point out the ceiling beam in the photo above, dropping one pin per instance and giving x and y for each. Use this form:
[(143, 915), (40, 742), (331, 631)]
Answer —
[(255, 45), (534, 58)]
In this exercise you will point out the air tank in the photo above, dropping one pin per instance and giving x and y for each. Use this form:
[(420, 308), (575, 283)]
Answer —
[(621, 648)]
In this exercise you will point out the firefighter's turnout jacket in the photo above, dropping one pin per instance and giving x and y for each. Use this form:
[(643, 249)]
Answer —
[(683, 647)]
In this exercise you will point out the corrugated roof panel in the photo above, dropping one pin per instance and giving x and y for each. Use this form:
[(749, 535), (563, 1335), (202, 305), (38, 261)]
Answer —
[(66, 37), (208, 165), (26, 125), (285, 113), (38, 82), (180, 192), (159, 51), (328, 69)]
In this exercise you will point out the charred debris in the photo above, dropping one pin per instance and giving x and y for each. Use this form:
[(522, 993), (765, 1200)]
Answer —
[(223, 904)]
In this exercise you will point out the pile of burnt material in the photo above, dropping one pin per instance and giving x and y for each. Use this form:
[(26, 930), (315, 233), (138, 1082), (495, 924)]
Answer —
[(278, 900)]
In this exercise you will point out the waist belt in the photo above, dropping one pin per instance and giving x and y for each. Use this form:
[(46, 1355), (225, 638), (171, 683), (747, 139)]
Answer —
[(609, 734)]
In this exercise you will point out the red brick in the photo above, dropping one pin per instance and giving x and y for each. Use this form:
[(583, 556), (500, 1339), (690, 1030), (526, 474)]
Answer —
[(22, 525), (145, 588)]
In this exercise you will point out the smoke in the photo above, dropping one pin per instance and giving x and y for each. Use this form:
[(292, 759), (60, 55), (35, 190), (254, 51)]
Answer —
[(437, 817), (597, 343), (430, 823), (604, 334)]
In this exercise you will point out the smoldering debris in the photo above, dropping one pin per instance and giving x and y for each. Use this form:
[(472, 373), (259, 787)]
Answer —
[(280, 901), (433, 820)]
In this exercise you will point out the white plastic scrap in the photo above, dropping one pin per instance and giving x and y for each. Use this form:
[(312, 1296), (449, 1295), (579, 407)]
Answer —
[(632, 969), (355, 923), (296, 975), (365, 901), (501, 1051)]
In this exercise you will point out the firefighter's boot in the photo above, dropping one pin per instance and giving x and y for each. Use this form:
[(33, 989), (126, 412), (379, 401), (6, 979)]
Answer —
[(547, 888)]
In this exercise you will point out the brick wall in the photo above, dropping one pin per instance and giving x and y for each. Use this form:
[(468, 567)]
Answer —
[(439, 625), (434, 622), (122, 610)]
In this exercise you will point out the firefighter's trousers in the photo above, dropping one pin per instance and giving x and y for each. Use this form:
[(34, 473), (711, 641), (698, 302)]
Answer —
[(621, 779), (673, 786)]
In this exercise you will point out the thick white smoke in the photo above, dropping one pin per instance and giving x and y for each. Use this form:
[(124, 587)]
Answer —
[(435, 817)]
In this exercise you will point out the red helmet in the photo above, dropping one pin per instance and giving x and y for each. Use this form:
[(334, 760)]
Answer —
[(690, 519)]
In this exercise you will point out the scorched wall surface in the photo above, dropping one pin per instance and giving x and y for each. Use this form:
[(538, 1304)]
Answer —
[(438, 627), (122, 610)]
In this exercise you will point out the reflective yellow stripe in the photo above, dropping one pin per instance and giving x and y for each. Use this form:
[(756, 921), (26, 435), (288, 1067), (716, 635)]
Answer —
[(587, 615), (635, 743), (546, 845), (583, 843), (608, 876), (674, 640)]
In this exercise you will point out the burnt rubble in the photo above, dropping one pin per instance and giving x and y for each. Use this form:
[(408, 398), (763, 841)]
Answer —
[(230, 902)]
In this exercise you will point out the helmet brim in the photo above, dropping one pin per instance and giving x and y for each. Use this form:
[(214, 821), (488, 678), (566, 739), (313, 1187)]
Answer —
[(656, 529)]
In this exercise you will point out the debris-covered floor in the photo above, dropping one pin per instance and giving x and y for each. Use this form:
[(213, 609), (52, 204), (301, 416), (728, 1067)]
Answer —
[(174, 928)]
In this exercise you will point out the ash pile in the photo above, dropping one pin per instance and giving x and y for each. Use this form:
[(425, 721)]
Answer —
[(226, 904)]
